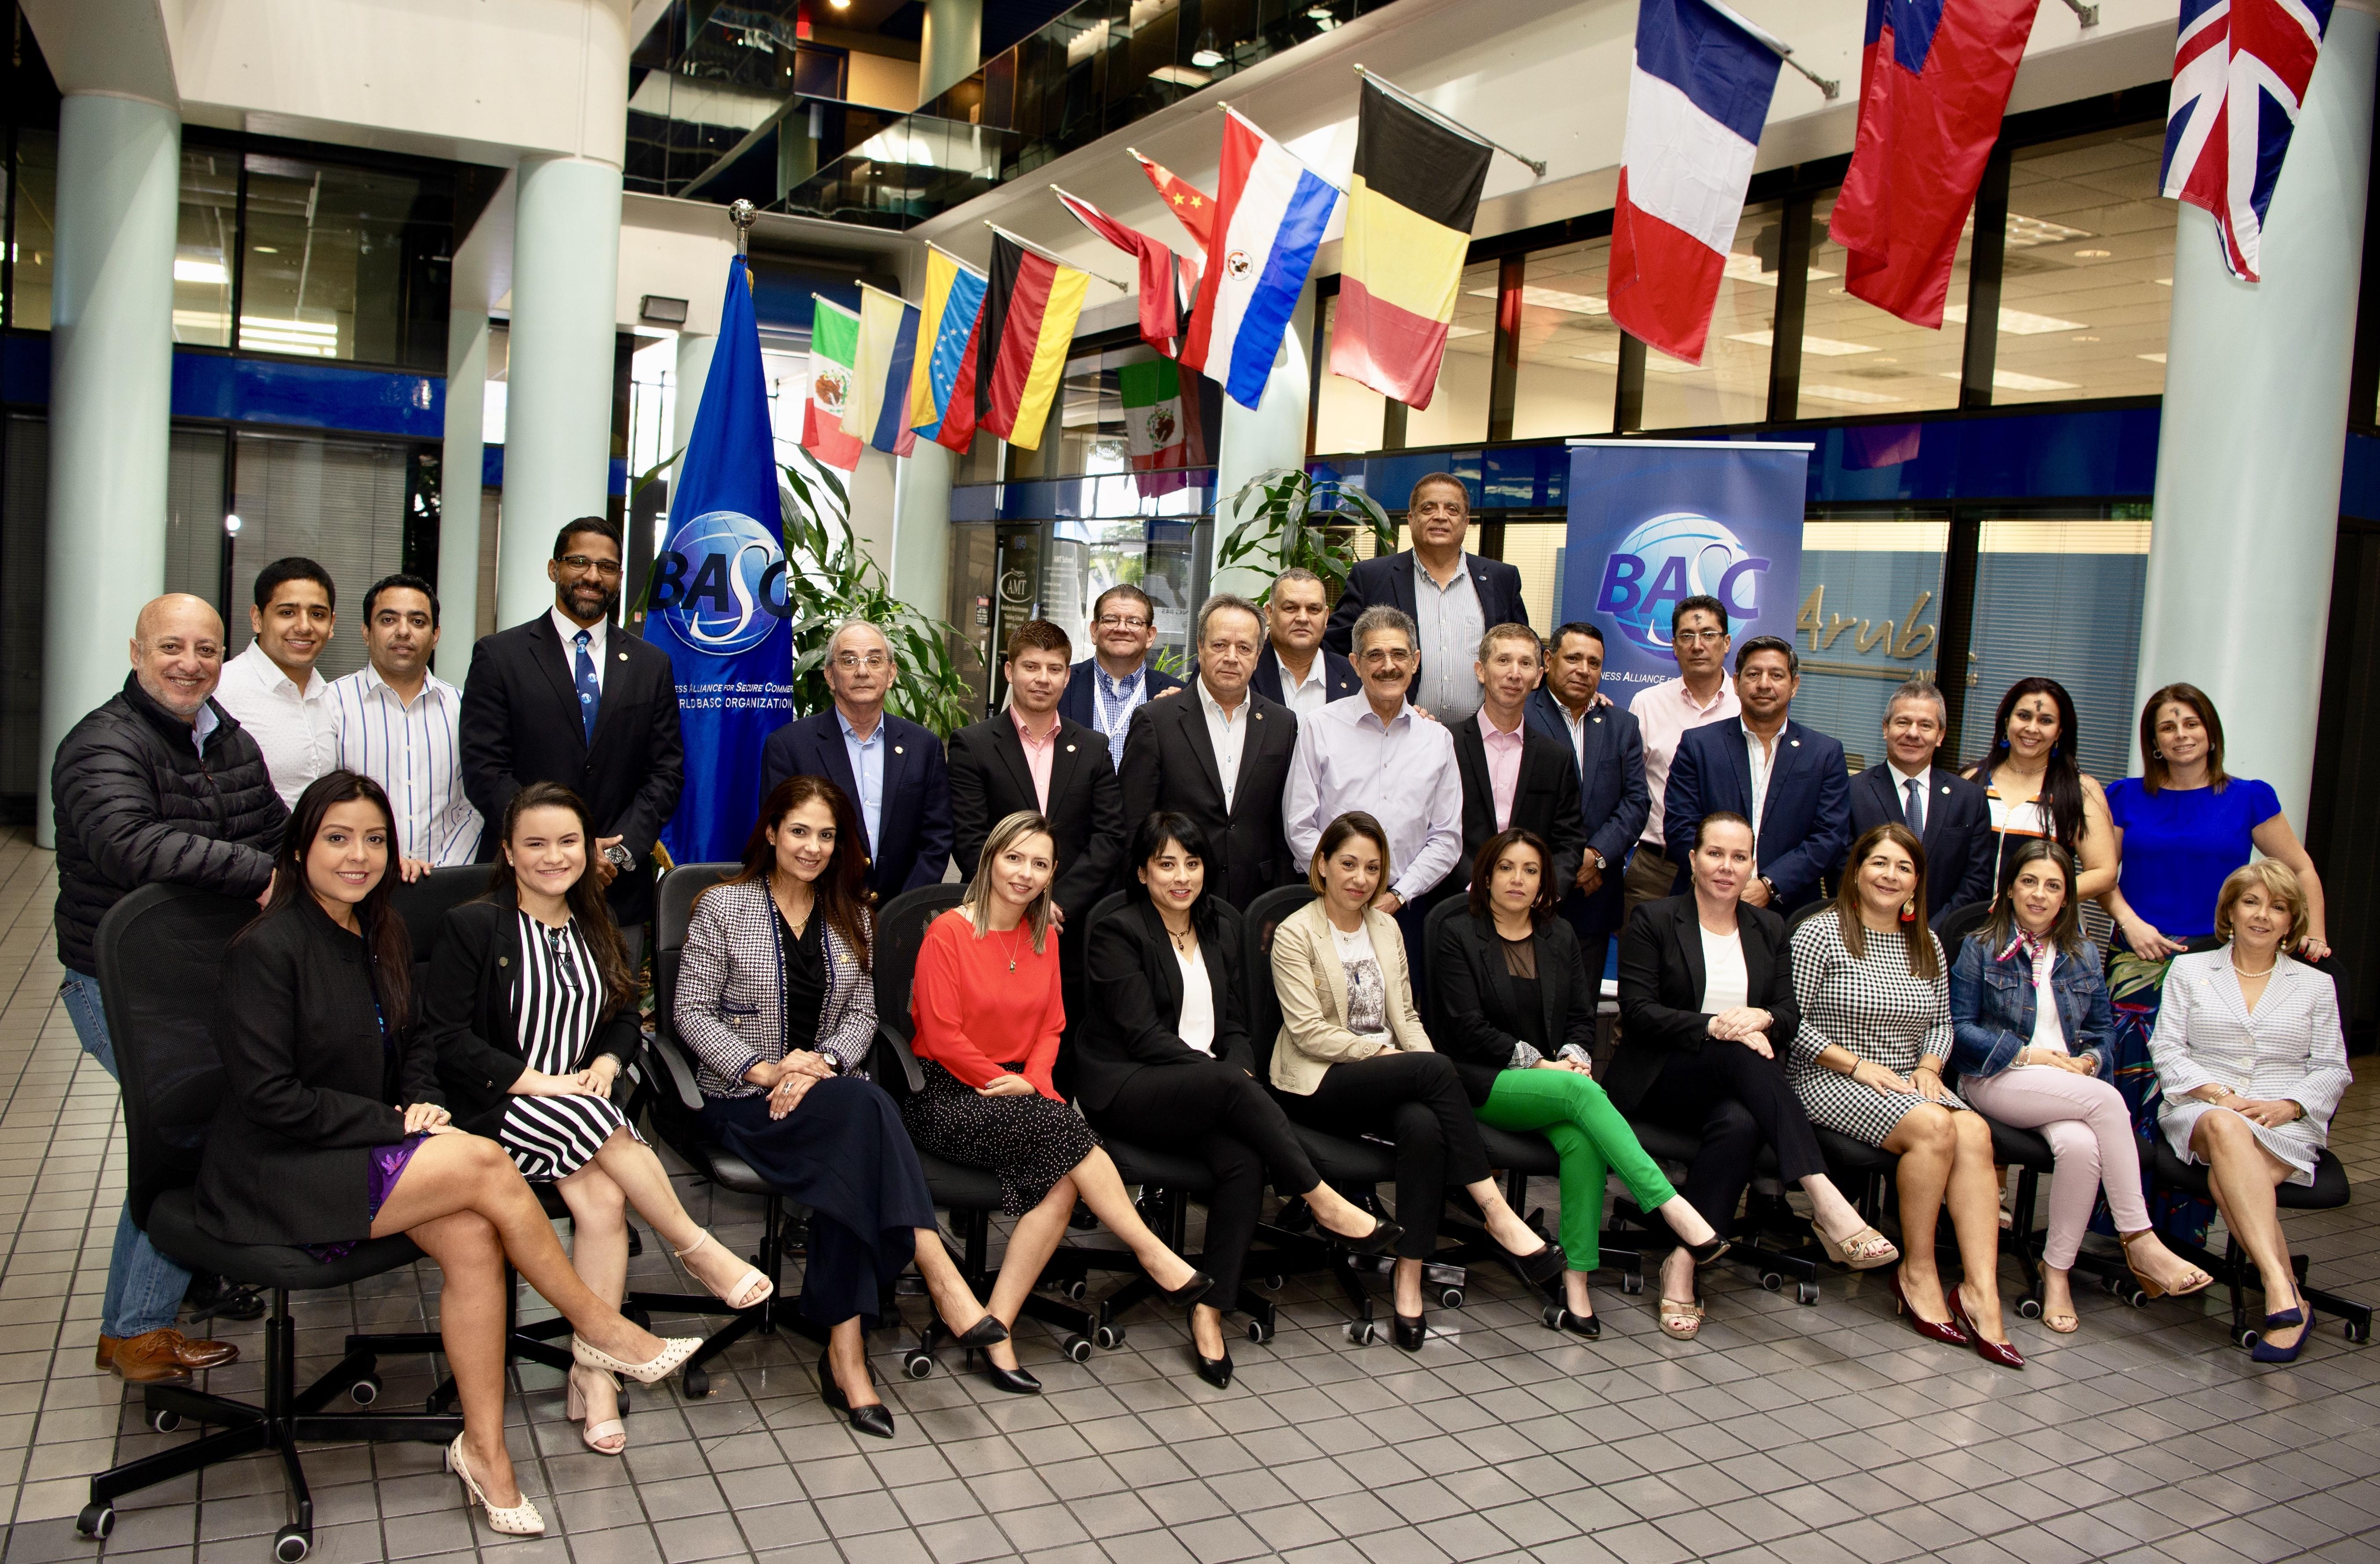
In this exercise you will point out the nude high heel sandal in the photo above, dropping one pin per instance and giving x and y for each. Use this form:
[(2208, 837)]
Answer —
[(515, 1521), (751, 1288)]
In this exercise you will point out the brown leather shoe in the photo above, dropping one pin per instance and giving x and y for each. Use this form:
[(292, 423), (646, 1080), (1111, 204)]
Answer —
[(162, 1355)]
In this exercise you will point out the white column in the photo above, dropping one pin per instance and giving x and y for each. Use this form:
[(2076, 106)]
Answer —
[(921, 553), (459, 464), (2254, 435), (951, 48), (1271, 435), (558, 410), (111, 398)]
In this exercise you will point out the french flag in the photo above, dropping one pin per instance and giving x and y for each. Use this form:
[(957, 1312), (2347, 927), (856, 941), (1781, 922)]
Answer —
[(1271, 211), (1696, 102)]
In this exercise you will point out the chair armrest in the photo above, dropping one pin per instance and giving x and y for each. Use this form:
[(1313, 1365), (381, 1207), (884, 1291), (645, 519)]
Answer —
[(669, 1064), (891, 1052)]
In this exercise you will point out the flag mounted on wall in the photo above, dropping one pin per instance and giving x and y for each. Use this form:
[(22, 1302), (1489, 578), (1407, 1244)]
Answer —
[(878, 409), (1029, 308), (1160, 423), (2239, 74), (834, 343), (1410, 208), (1697, 100), (1191, 206), (941, 393), (1169, 283), (1934, 82), (1269, 214)]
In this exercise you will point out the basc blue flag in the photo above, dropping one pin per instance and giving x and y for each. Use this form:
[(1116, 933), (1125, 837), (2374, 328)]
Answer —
[(719, 594)]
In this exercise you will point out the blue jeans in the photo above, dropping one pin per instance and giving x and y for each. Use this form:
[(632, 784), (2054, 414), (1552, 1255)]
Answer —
[(144, 1288)]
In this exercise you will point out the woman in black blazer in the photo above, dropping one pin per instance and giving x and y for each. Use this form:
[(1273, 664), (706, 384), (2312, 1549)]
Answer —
[(1165, 1059), (531, 1011), (332, 1131), (1516, 1014), (1706, 1012)]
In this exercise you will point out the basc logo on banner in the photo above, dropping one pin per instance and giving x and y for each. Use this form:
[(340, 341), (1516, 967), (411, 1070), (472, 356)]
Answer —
[(1654, 522), (721, 582)]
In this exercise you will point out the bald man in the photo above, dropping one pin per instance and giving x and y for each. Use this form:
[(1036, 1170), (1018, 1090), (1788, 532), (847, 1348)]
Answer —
[(160, 784)]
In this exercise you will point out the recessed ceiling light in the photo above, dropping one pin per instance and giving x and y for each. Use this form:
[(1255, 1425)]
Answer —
[(268, 250), (2014, 323), (2086, 339), (2093, 254), (1206, 59)]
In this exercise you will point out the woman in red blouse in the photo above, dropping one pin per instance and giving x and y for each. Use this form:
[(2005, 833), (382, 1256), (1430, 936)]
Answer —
[(988, 1015)]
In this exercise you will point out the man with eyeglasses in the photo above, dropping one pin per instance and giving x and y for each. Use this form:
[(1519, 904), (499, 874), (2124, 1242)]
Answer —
[(1701, 693), (1106, 687), (892, 768), (558, 700)]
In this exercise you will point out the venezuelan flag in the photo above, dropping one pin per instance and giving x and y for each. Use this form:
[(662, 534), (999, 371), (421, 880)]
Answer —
[(1029, 311), (945, 335)]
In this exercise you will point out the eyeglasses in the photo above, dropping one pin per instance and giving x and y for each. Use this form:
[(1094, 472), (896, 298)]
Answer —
[(578, 564), (1701, 637), (1122, 622), (852, 662)]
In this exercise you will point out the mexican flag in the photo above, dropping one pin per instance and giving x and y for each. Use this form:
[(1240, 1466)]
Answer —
[(1160, 425), (835, 348)]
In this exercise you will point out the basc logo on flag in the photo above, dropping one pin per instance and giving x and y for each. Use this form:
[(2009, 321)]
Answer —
[(721, 582), (1680, 554)]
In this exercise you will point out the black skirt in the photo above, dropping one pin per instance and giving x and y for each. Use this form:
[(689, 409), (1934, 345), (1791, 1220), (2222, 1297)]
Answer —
[(842, 1153), (1028, 1144)]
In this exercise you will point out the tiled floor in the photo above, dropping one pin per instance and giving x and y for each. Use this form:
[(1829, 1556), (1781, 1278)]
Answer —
[(1786, 1432)]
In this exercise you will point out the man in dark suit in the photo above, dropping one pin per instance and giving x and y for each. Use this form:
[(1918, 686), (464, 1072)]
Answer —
[(891, 767), (571, 698), (1106, 687), (1513, 776), (1605, 744), (1453, 596), (1787, 779), (1949, 814), (1218, 753), (1296, 669)]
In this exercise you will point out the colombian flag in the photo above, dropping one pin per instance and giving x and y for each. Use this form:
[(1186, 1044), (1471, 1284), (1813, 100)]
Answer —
[(1409, 213), (942, 395), (1029, 310)]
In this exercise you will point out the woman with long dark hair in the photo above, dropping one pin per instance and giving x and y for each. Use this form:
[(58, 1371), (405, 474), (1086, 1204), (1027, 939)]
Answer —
[(531, 1010), (2035, 787), (1165, 1059), (776, 997), (333, 1129)]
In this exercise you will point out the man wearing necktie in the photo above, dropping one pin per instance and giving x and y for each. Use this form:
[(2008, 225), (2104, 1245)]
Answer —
[(1943, 809), (571, 698)]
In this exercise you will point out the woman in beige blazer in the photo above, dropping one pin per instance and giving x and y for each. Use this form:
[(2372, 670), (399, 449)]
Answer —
[(1353, 1059)]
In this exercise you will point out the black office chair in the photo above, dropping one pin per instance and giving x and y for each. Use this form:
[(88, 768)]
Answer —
[(160, 967), (970, 1194)]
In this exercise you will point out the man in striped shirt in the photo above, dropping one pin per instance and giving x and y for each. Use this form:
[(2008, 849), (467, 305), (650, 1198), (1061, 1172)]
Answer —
[(396, 725)]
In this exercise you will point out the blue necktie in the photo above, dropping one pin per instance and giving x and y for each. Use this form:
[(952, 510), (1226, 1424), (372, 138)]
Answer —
[(1913, 812), (591, 694)]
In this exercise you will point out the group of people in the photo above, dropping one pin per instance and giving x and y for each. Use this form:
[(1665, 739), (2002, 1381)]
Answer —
[(1347, 748)]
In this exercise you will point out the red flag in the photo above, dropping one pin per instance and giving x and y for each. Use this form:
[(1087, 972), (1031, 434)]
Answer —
[(1168, 282), (1193, 207)]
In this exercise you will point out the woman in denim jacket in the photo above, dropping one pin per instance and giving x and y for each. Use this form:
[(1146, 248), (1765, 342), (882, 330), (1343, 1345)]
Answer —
[(2036, 1066)]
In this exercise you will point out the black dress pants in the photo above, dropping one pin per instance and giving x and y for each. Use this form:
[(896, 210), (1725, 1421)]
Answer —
[(1738, 1102), (1219, 1114), (1417, 1101)]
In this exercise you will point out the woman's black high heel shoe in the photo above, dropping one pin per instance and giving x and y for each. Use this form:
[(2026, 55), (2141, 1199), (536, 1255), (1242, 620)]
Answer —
[(1015, 1381), (986, 1332), (1541, 1267), (1587, 1326), (1708, 1251), (1412, 1330), (875, 1420), (1216, 1371), (1380, 1241), (1189, 1291)]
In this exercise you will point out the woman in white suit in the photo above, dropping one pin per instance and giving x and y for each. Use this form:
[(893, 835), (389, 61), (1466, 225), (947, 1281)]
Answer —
[(1351, 1059), (2252, 1061)]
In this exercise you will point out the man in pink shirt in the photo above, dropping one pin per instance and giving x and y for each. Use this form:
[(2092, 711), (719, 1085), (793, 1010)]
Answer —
[(1701, 693), (1515, 776)]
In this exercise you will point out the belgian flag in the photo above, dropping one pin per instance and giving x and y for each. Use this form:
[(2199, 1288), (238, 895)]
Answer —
[(1409, 215)]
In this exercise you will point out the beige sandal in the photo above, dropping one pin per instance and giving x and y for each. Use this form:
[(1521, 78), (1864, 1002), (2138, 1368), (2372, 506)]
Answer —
[(1863, 1251), (594, 1433), (2199, 1281), (2064, 1324), (1680, 1321), (751, 1288)]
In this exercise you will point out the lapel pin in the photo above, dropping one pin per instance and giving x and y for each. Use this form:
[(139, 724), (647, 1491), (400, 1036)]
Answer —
[(899, 750), (1599, 720), (1946, 787), (1795, 742), (1070, 750), (623, 657)]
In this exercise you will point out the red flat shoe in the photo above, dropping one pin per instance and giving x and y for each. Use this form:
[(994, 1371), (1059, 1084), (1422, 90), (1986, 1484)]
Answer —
[(1947, 1332), (2001, 1353)]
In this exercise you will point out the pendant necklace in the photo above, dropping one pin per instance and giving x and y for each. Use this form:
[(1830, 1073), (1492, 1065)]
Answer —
[(1014, 939)]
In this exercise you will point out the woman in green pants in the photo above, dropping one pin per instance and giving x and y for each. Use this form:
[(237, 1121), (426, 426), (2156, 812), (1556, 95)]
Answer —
[(1516, 1015)]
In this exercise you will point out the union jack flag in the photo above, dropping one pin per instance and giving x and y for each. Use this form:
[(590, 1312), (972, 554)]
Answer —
[(2240, 72)]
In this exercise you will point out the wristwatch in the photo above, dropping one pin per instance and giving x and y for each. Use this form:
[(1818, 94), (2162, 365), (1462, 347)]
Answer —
[(1600, 864), (1771, 886), (619, 857)]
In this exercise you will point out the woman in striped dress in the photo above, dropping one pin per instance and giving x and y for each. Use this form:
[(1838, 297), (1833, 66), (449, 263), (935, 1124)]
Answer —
[(531, 1008)]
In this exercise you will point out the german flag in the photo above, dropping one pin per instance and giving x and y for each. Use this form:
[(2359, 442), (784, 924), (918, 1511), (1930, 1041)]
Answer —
[(1409, 214), (1027, 323)]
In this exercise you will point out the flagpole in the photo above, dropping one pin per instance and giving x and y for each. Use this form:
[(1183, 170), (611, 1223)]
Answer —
[(743, 214), (955, 258), (1302, 163), (1827, 88), (1051, 255), (1455, 125), (868, 287)]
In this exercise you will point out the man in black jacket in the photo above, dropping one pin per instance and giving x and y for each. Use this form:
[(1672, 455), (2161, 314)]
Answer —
[(570, 698), (1513, 776), (1175, 758), (1453, 596), (1951, 814), (1609, 750), (159, 784)]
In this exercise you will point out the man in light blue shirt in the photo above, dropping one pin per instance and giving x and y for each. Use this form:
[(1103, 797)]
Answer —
[(866, 754)]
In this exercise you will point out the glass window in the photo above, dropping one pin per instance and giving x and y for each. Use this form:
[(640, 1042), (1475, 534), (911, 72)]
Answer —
[(345, 264), (1347, 413), (1090, 439), (205, 238), (36, 199), (1458, 409), (1856, 359), (1868, 620), (2089, 273), (341, 502), (1536, 549), (1730, 386), (1569, 351), (2059, 594)]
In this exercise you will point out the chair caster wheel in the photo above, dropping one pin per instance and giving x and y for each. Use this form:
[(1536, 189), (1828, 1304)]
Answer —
[(1772, 1282), (1552, 1316), (1077, 1348), (1806, 1293), (1260, 1332), (697, 1383), (1108, 1336), (291, 1543), (2245, 1336), (163, 1422), (1362, 1333), (1074, 1291), (2358, 1331), (1449, 1298), (365, 1391), (916, 1365), (1275, 1283), (1631, 1282), (96, 1521), (2028, 1308), (2133, 1298)]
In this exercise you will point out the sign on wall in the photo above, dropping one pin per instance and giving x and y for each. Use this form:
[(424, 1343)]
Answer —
[(1653, 521)]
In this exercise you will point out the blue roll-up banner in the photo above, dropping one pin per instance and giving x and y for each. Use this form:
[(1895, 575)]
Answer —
[(1652, 521), (719, 602)]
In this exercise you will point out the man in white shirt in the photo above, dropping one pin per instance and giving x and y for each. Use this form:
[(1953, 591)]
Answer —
[(400, 725), (1701, 693), (273, 688), (1296, 669), (1950, 815)]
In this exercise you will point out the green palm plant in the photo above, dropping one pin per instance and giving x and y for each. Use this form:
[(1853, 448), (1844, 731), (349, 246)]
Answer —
[(1286, 519)]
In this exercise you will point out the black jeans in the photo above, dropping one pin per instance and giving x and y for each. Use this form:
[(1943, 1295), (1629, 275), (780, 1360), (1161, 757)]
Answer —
[(1417, 1101), (1739, 1102), (1221, 1115)]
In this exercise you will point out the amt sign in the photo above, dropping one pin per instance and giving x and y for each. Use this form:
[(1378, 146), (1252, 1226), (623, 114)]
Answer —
[(1677, 554), (721, 582)]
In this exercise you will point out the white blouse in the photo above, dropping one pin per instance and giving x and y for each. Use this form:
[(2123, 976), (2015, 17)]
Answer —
[(1726, 984), (1198, 1025)]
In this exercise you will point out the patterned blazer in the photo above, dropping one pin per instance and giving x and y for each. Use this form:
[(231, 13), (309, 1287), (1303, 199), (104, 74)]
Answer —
[(2289, 1047), (731, 992)]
